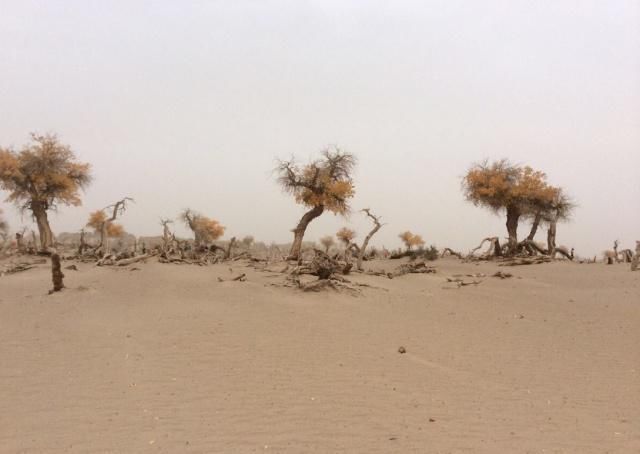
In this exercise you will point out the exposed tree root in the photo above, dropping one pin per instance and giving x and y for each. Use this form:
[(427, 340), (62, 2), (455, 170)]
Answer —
[(413, 268), (449, 251)]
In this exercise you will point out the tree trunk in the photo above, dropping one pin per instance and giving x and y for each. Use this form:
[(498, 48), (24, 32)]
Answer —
[(298, 232), (365, 243), (40, 214), (104, 240), (56, 273), (551, 238), (227, 252), (534, 227), (513, 215)]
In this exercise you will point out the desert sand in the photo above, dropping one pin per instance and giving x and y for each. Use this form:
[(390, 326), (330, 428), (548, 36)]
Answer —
[(166, 358)]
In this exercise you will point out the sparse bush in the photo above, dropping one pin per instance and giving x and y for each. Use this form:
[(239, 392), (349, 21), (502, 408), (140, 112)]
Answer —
[(431, 253)]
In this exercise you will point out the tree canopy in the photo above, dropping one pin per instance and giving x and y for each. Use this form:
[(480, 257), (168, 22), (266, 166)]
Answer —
[(346, 235), (44, 171), (325, 182), (410, 239), (502, 184)]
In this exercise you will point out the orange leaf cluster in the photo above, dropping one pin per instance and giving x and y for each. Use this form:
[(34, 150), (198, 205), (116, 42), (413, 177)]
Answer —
[(325, 182), (346, 235), (502, 184), (208, 229), (409, 239), (98, 218)]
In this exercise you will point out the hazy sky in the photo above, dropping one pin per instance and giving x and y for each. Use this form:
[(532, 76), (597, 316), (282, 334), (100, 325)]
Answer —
[(187, 104)]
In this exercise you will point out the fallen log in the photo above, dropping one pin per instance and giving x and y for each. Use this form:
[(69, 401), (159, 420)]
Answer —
[(450, 251), (125, 262)]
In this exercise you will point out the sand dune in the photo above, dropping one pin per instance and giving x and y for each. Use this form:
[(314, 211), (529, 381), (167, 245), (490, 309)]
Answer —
[(168, 359)]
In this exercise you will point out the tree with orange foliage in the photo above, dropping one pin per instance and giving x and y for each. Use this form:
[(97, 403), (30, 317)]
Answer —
[(410, 240), (97, 220), (106, 227), (504, 186), (41, 176), (346, 236), (324, 184), (205, 230)]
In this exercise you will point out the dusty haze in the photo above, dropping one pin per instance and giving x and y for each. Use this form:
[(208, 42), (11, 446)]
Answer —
[(180, 105)]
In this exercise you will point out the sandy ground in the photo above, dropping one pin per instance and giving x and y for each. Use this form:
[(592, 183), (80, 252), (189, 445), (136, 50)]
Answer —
[(169, 359)]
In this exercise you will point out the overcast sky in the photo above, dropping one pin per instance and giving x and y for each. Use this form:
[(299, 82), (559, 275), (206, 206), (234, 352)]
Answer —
[(188, 104)]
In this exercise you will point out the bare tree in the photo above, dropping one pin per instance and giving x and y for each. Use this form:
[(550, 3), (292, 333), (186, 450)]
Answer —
[(376, 226), (611, 256)]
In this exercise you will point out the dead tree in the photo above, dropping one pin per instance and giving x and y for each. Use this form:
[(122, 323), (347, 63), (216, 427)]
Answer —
[(611, 256), (494, 250), (56, 273), (362, 249), (118, 209), (562, 250), (627, 255), (227, 252), (20, 240), (532, 247), (83, 244), (167, 236), (636, 257), (450, 251)]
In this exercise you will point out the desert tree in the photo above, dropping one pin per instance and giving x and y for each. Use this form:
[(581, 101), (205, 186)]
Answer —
[(247, 241), (363, 248), (327, 242), (504, 186), (410, 240), (559, 209), (41, 176), (636, 258), (167, 235), (324, 184), (104, 224), (346, 237), (205, 230)]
